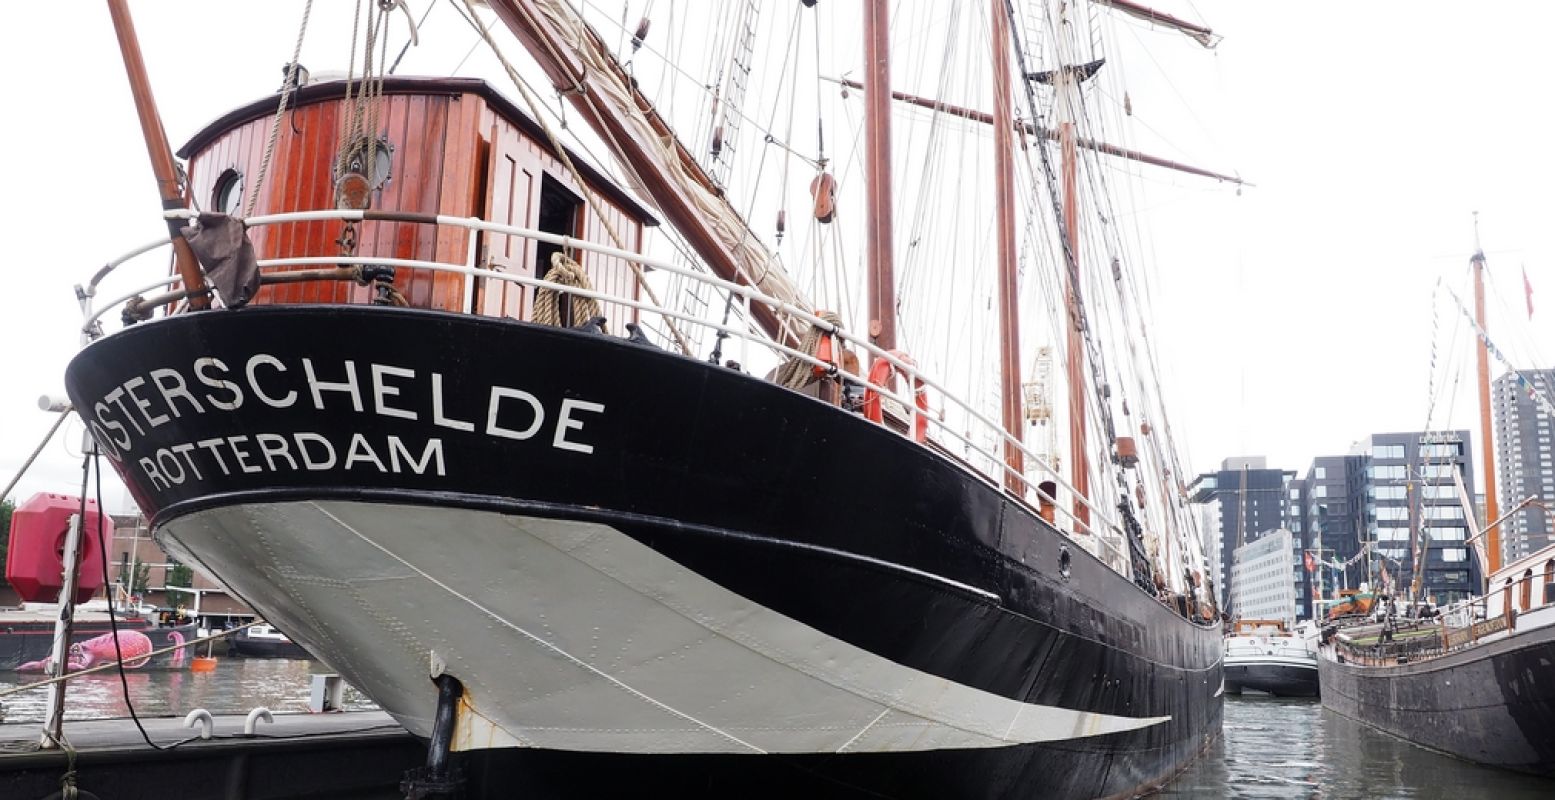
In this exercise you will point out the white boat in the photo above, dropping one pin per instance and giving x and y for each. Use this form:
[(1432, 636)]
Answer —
[(1266, 656)]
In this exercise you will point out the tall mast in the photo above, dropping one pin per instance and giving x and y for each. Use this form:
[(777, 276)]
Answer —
[(1004, 190), (161, 154), (877, 172), (1487, 444), (1065, 84)]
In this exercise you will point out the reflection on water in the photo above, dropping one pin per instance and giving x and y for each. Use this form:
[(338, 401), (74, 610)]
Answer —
[(236, 685), (1270, 748), (1273, 748)]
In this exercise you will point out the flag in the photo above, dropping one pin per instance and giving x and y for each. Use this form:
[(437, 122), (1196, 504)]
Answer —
[(1307, 557), (1528, 292)]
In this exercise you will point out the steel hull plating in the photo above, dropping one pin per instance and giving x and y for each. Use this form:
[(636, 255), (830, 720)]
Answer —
[(1492, 704), (715, 529)]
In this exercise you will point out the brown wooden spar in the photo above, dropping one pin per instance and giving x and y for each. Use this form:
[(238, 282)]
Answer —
[(1487, 444), (161, 154), (580, 65), (1009, 308), (877, 173), (1198, 33), (1079, 459), (962, 112)]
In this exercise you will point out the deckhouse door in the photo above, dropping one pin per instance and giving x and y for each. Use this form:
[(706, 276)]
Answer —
[(512, 186)]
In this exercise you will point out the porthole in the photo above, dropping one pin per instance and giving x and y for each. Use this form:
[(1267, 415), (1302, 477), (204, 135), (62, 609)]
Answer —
[(355, 161), (227, 197)]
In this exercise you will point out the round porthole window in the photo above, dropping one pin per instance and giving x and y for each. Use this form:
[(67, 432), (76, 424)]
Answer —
[(227, 197), (362, 169)]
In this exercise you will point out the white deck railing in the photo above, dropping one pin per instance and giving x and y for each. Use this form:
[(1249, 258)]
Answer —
[(1103, 523)]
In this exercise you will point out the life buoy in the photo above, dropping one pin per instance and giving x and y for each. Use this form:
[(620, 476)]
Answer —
[(880, 373)]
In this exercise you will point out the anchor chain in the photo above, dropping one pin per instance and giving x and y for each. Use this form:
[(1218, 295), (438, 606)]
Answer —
[(378, 276)]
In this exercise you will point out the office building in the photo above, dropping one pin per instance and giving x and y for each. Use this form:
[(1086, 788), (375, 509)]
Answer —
[(1524, 467), (1416, 522), (1249, 499), (1260, 579)]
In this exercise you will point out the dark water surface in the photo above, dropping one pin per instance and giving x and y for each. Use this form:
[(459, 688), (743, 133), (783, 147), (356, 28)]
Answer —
[(1270, 748), (1273, 748), (237, 685)]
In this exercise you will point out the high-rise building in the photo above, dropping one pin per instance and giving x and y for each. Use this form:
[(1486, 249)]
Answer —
[(1524, 465), (1250, 498), (1415, 519), (1331, 516), (1296, 523), (1260, 585)]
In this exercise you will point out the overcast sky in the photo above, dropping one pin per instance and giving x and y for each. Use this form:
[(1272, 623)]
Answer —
[(1300, 317)]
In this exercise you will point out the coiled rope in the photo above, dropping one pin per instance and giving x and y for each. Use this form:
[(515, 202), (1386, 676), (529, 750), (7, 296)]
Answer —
[(548, 304), (796, 372)]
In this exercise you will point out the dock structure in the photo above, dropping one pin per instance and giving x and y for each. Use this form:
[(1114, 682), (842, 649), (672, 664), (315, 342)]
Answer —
[(353, 754)]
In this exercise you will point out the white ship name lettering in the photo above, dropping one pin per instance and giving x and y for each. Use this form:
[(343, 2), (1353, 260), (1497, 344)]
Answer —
[(131, 412)]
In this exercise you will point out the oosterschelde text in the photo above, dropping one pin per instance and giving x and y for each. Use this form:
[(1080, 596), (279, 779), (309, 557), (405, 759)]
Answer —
[(128, 413)]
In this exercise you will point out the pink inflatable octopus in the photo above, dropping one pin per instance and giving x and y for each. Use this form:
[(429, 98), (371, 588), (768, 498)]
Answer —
[(100, 650)]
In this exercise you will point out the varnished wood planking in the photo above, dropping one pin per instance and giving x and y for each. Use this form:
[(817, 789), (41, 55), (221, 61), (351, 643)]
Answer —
[(441, 145)]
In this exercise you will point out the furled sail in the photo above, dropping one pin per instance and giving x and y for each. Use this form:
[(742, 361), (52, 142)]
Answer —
[(658, 165)]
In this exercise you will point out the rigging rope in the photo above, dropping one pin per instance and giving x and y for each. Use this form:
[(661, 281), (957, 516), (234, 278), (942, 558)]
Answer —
[(28, 463), (1537, 396), (561, 154), (280, 110)]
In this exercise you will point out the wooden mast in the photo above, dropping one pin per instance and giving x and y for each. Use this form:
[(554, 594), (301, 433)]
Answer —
[(877, 173), (1004, 191), (1065, 84), (161, 154), (1487, 444)]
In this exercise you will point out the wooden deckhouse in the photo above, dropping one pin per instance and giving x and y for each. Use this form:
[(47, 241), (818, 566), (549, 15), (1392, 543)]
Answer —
[(443, 146)]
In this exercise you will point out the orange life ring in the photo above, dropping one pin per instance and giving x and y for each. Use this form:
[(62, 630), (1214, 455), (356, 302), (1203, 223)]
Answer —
[(880, 373)]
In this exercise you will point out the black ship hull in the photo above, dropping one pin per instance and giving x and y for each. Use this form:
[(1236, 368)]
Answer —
[(648, 572), (248, 647), (1276, 678), (1492, 704)]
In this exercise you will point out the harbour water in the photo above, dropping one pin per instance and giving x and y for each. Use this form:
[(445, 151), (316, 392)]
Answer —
[(1270, 748), (1274, 748), (234, 687)]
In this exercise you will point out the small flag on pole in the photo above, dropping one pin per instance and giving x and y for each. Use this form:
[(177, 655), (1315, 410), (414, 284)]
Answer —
[(1308, 558), (1528, 292)]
